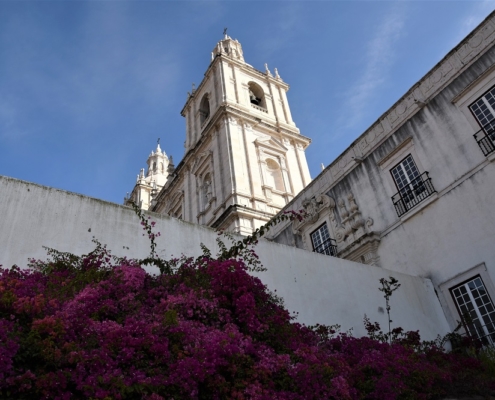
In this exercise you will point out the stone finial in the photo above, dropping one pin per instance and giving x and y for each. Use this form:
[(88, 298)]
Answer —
[(276, 74), (267, 70), (159, 151)]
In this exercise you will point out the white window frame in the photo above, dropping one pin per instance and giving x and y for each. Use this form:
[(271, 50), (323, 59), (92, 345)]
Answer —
[(403, 166), (471, 94), (392, 159), (491, 109), (407, 190), (322, 239), (487, 126), (446, 299), (464, 297)]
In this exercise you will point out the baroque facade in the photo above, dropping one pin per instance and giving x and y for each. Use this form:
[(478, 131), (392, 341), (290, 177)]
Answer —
[(415, 193), (244, 156)]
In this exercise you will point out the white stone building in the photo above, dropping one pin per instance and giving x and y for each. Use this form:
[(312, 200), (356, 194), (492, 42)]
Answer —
[(415, 193), (413, 197), (244, 156)]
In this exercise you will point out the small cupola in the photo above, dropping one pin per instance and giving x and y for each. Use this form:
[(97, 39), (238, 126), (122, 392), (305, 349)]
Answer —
[(157, 162), (228, 47)]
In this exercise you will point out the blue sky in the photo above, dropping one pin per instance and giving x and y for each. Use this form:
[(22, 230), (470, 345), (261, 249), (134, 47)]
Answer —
[(86, 88)]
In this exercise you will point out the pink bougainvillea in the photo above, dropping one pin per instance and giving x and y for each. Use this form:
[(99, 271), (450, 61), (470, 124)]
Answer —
[(81, 328)]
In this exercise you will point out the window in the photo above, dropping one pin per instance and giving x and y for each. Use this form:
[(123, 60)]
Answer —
[(256, 97), (274, 175), (476, 309), (483, 110), (404, 174), (322, 243), (204, 109), (413, 187)]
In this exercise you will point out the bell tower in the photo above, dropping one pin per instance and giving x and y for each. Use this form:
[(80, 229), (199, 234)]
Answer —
[(149, 184), (244, 156)]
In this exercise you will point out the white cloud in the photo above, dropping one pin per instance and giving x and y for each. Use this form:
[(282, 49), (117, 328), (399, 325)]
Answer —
[(282, 27), (378, 60), (480, 11)]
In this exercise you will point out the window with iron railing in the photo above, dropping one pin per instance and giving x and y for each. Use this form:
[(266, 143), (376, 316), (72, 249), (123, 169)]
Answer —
[(476, 310), (483, 110), (413, 186), (485, 138), (322, 242)]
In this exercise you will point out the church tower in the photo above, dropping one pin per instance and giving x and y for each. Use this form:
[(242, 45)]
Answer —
[(244, 156), (148, 186)]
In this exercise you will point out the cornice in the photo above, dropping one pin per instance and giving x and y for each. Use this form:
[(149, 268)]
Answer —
[(248, 117), (228, 109), (235, 209), (392, 153)]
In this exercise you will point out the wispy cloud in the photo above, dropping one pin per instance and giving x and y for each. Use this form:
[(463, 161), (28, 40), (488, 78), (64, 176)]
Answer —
[(283, 27), (378, 60), (478, 12)]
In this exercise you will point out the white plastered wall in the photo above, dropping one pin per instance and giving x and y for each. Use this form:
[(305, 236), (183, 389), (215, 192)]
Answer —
[(321, 289)]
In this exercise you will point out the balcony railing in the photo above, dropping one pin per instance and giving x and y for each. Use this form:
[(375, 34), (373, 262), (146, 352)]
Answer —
[(328, 247), (259, 108), (484, 333), (486, 138), (414, 193)]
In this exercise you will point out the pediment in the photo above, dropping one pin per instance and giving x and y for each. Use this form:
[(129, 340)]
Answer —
[(176, 196), (199, 161), (271, 143)]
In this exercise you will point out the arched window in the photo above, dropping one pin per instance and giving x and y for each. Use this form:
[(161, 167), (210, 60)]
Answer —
[(154, 166), (204, 109), (256, 95), (274, 175)]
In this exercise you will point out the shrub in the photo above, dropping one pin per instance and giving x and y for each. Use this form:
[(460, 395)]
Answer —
[(96, 327)]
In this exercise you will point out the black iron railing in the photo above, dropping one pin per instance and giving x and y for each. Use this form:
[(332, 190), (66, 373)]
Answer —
[(484, 333), (414, 193), (485, 138), (328, 247)]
